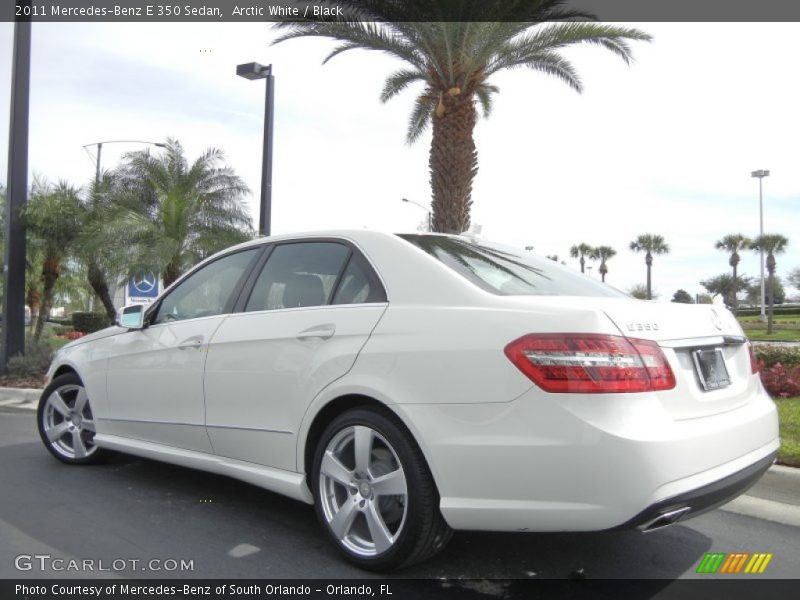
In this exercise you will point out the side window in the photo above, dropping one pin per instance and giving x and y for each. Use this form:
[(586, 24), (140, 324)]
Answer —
[(300, 274), (206, 292), (357, 286)]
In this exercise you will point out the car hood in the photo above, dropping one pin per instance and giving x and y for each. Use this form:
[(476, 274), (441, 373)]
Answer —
[(97, 335)]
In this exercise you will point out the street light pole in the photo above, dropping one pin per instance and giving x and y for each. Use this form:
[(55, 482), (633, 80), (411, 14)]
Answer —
[(253, 71), (13, 337), (428, 216), (100, 150), (760, 174)]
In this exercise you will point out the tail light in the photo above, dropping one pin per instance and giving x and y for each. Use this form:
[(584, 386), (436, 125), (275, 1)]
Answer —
[(591, 363), (753, 360)]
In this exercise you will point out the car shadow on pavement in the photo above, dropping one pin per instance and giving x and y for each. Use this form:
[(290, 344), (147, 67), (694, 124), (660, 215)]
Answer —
[(137, 508)]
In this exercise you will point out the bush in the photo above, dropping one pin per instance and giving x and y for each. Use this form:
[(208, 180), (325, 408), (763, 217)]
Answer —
[(771, 355), (89, 322), (62, 329), (34, 362), (781, 382)]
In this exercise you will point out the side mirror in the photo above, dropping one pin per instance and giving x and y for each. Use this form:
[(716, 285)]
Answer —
[(132, 317)]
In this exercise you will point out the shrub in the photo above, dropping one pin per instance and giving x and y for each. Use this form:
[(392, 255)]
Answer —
[(781, 382), (62, 329), (89, 322), (34, 362), (771, 355)]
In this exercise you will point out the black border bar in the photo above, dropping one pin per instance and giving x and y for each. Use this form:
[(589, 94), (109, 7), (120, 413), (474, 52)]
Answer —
[(216, 11)]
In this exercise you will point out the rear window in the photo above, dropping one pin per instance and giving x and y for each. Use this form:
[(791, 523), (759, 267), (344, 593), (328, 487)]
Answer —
[(508, 271)]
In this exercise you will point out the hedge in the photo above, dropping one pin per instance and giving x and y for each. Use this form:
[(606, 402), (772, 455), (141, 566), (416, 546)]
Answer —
[(773, 354), (89, 322)]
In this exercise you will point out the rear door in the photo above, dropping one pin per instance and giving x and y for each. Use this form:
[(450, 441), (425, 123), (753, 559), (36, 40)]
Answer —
[(303, 321)]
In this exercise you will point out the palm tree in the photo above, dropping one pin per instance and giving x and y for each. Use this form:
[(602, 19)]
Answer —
[(453, 49), (772, 244), (54, 215), (102, 263), (732, 244), (172, 213), (582, 251), (650, 244), (603, 254)]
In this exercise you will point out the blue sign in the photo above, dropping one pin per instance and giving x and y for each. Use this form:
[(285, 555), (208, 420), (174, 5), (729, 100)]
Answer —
[(143, 286)]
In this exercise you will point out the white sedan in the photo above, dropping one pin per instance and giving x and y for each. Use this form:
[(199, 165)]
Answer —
[(409, 385)]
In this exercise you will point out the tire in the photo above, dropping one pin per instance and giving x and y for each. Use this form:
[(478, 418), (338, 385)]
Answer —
[(362, 456), (68, 433)]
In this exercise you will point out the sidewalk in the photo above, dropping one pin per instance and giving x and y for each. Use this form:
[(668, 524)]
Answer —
[(24, 398)]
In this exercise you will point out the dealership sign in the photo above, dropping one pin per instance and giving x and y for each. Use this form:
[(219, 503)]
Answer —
[(142, 289)]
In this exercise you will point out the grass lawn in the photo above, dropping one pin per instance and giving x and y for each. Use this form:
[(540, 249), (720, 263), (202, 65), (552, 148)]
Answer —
[(789, 415), (778, 335)]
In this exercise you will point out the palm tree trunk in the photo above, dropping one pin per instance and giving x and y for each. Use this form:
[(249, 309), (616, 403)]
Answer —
[(453, 163), (771, 301), (733, 292), (50, 272), (171, 273), (97, 281), (649, 262), (583, 262)]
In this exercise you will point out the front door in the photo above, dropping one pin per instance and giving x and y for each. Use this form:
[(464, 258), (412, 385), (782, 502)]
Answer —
[(155, 375)]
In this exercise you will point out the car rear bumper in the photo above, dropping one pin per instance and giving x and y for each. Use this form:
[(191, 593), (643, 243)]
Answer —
[(697, 501), (558, 462)]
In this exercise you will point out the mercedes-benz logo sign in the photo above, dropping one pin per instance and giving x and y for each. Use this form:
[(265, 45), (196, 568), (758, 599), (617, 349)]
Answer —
[(716, 320), (144, 284)]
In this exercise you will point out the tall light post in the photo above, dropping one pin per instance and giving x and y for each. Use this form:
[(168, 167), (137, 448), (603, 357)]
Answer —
[(428, 215), (100, 151), (13, 336), (760, 174), (254, 71)]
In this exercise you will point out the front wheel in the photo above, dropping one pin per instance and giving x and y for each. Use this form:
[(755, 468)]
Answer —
[(374, 493), (66, 423)]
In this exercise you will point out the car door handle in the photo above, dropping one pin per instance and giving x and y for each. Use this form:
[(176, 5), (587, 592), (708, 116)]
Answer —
[(320, 332), (191, 343)]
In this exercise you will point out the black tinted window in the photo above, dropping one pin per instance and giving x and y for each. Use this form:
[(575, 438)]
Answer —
[(357, 285), (508, 271), (301, 274)]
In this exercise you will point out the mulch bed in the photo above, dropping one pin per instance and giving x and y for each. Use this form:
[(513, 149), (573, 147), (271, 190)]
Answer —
[(34, 381)]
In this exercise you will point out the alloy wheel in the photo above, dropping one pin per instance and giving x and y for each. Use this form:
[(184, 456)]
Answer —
[(67, 422)]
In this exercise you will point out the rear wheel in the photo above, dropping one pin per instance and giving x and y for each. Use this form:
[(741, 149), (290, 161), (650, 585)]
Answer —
[(66, 423), (374, 493)]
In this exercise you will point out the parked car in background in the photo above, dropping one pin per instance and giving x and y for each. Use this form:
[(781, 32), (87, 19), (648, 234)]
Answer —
[(409, 385)]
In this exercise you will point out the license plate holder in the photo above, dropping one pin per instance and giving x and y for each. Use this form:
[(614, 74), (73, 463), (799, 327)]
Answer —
[(710, 368)]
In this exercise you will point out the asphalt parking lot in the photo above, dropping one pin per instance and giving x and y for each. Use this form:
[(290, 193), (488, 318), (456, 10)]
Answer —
[(139, 510)]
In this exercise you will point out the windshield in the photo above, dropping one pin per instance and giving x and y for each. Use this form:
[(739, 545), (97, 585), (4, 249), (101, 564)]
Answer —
[(508, 271)]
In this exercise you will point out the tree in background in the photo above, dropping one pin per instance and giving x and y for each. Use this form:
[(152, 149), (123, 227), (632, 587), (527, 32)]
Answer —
[(682, 297), (772, 244), (53, 214), (640, 292), (581, 251), (793, 278), (754, 292), (732, 244), (171, 214), (705, 299), (603, 254), (726, 286), (453, 49), (650, 244)]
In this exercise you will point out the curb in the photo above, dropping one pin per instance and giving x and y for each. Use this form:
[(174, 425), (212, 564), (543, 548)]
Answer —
[(24, 398)]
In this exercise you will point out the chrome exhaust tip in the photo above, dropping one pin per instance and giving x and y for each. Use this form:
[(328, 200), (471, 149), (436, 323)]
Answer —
[(664, 520)]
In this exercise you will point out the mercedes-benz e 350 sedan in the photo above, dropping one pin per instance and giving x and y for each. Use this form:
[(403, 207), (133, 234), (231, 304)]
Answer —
[(409, 385)]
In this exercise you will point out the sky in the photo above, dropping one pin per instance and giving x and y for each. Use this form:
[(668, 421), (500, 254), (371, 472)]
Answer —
[(665, 145)]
